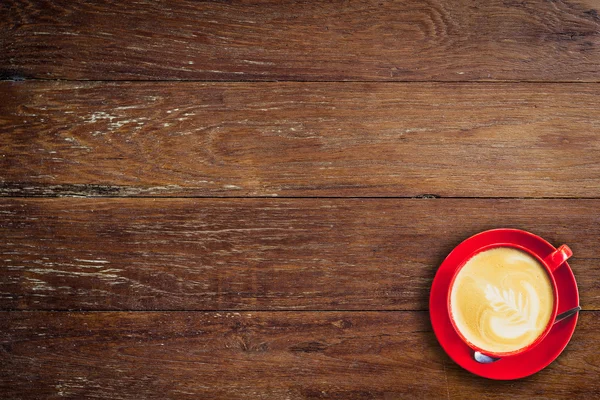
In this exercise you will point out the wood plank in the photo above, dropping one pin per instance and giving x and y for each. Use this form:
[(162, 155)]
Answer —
[(219, 355), (299, 139), (264, 355), (299, 40), (261, 254)]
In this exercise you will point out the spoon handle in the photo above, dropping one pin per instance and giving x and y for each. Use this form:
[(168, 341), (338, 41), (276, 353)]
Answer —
[(567, 314)]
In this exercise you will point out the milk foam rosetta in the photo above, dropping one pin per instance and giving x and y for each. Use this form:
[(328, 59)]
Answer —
[(502, 300)]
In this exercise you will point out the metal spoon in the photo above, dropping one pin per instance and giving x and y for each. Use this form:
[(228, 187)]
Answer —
[(567, 314), (483, 359)]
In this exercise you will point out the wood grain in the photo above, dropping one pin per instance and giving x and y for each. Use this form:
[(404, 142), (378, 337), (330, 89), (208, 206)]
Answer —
[(255, 254), (299, 139), (493, 104), (301, 40), (264, 355)]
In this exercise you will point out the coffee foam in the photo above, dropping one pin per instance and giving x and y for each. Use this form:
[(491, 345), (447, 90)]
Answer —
[(502, 300)]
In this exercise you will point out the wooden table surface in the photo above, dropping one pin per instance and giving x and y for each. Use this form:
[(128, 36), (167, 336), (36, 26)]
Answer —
[(250, 199)]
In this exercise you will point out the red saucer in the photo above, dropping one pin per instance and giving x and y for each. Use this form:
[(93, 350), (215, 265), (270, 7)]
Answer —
[(518, 366)]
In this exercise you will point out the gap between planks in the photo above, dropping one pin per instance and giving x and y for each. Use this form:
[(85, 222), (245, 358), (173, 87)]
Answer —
[(423, 197), (238, 310), (241, 81)]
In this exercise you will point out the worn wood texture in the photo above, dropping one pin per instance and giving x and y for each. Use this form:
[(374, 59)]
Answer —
[(311, 254), (299, 139), (299, 298), (263, 355), (301, 40)]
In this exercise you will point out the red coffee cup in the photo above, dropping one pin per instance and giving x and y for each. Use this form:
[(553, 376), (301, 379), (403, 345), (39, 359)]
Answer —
[(550, 263)]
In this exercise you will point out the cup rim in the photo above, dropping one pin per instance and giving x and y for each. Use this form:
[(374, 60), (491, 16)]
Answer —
[(554, 296)]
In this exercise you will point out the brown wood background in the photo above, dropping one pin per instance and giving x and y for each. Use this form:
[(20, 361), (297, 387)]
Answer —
[(339, 40), (250, 199)]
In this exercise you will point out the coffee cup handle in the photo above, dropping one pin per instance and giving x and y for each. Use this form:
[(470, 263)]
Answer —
[(558, 257)]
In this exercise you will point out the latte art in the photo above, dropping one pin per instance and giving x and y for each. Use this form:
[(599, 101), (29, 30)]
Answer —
[(512, 318), (502, 300)]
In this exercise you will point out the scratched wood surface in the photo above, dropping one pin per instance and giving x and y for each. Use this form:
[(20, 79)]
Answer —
[(300, 139), (261, 355), (277, 240), (260, 254), (452, 40)]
